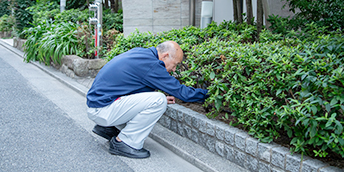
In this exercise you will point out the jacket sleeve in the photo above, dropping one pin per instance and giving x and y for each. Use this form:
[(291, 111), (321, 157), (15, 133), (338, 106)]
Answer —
[(159, 78)]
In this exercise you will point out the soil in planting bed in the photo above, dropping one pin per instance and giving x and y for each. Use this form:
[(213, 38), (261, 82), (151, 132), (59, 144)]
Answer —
[(332, 158)]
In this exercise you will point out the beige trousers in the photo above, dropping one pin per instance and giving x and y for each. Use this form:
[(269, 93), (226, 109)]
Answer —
[(134, 114)]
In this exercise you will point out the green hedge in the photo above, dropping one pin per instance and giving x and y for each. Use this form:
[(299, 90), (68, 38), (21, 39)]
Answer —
[(292, 83)]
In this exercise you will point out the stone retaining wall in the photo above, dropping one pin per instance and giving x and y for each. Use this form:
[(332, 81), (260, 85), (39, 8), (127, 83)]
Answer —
[(75, 66), (19, 43), (5, 34), (236, 145)]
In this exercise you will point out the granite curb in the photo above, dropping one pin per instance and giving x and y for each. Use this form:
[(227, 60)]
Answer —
[(216, 138)]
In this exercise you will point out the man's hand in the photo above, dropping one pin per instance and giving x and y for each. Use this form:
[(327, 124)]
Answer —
[(170, 100)]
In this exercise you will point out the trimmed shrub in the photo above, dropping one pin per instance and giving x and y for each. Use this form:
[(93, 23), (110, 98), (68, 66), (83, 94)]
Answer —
[(291, 84)]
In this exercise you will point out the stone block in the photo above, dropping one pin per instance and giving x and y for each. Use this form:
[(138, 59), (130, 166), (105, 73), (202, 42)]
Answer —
[(202, 139), (240, 140), (68, 60), (278, 156), (252, 146), (240, 157), (180, 116), (195, 120), (184, 9), (219, 148), (210, 143), (165, 121), (229, 153), (202, 125), (185, 22), (166, 22), (188, 132), (137, 9), (96, 64), (70, 73), (276, 169), (263, 166), (331, 169), (93, 73), (210, 128), (64, 68), (220, 131), (174, 126), (251, 163), (172, 113), (188, 120), (312, 165), (264, 151), (230, 135), (195, 135), (180, 129), (166, 9), (293, 162), (138, 21)]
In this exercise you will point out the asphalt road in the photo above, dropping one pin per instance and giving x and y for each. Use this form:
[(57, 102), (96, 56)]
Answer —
[(36, 135)]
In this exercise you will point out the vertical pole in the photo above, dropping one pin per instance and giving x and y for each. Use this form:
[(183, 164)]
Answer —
[(249, 11), (99, 27), (235, 11), (259, 16), (62, 5), (192, 12), (239, 8)]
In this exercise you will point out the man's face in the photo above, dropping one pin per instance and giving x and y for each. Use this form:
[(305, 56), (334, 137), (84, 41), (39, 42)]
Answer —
[(171, 63)]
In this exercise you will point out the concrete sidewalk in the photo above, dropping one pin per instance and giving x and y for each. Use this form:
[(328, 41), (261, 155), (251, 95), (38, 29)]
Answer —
[(180, 146)]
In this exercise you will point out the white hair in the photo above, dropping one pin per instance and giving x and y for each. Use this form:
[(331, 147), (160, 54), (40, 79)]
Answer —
[(167, 47)]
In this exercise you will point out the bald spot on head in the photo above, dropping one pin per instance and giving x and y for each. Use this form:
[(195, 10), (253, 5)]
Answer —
[(172, 48), (171, 54)]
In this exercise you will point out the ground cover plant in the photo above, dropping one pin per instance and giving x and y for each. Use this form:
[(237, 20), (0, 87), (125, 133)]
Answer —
[(56, 34), (270, 85)]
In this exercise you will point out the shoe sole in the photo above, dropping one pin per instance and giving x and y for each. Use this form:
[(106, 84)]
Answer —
[(102, 135), (116, 152)]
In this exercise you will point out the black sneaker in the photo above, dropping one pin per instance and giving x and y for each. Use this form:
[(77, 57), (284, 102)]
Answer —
[(122, 149), (106, 132)]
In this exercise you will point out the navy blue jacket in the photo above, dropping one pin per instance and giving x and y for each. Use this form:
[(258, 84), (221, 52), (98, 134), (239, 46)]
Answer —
[(135, 71)]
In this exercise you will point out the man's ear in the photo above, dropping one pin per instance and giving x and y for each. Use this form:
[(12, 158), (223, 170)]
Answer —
[(164, 55)]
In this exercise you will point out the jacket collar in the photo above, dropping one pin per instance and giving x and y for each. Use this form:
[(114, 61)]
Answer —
[(155, 52)]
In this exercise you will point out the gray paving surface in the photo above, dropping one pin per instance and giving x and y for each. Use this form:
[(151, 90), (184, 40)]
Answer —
[(36, 135)]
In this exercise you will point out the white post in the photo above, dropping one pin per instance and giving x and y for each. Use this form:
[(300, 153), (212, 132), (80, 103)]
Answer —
[(62, 5)]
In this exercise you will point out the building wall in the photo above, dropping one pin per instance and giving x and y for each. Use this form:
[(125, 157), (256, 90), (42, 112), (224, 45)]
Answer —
[(163, 15), (157, 15)]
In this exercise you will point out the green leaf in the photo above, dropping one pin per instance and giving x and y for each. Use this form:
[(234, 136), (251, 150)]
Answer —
[(305, 122), (218, 104), (212, 75), (339, 126), (328, 123), (333, 102), (313, 131), (290, 133), (328, 107), (314, 109), (341, 141)]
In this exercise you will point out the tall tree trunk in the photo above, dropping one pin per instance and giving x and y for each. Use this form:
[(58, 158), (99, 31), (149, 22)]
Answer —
[(249, 11), (259, 16), (106, 4), (112, 2), (116, 6), (235, 10), (239, 8)]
